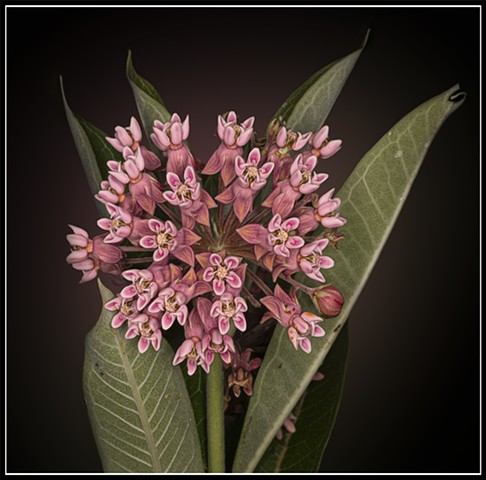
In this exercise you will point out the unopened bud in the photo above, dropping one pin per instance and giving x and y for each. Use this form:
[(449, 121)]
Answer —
[(329, 301)]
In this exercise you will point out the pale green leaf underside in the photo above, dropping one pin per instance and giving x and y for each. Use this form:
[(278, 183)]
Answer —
[(372, 197), (149, 104), (138, 405), (316, 413)]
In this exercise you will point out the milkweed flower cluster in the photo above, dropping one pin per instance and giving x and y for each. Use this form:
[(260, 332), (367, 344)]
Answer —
[(210, 247)]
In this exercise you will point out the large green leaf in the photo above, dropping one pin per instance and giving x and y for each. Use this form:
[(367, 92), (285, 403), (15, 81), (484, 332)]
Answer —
[(149, 104), (372, 198), (316, 413), (138, 404), (308, 107), (92, 147)]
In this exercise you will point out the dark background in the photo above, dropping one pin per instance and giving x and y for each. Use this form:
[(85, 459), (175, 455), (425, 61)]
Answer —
[(411, 398)]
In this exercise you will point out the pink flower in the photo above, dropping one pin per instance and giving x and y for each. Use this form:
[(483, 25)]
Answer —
[(191, 348), (286, 142), (326, 206), (229, 308), (213, 342), (112, 191), (322, 146), (312, 261), (302, 175), (144, 189), (233, 138), (173, 304), (119, 224), (222, 274), (192, 200), (169, 137), (282, 236), (287, 311), (288, 425), (143, 287), (151, 161), (168, 239), (89, 256), (126, 137), (241, 376), (148, 328), (125, 308), (251, 179)]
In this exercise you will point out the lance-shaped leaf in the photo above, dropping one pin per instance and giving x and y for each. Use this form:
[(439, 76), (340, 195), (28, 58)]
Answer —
[(315, 414), (92, 147), (372, 198), (308, 107), (139, 409), (149, 103)]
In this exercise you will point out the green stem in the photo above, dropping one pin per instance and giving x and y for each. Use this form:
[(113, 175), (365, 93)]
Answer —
[(215, 420)]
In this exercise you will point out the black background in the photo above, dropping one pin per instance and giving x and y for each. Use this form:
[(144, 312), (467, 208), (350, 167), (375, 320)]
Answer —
[(411, 399)]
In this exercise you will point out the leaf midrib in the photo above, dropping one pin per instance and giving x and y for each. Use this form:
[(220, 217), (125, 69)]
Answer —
[(149, 437)]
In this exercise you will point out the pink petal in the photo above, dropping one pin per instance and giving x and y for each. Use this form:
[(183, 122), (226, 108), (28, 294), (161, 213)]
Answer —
[(240, 165), (331, 148), (218, 286), (333, 222), (291, 224), (295, 242), (173, 180), (254, 157), (305, 344), (176, 133), (208, 274), (226, 196), (123, 136), (132, 332), (229, 136), (113, 305), (275, 223), (143, 344), (282, 137), (167, 320), (78, 240), (307, 188), (252, 233), (326, 262), (160, 254), (228, 172), (214, 165), (118, 320), (185, 254), (242, 205), (87, 264), (232, 262), (215, 259), (158, 305), (244, 137), (87, 276), (77, 256), (223, 324), (281, 250), (311, 162), (79, 231), (129, 292), (191, 366), (185, 128), (318, 331), (233, 280), (302, 140), (114, 143), (240, 322), (292, 332), (148, 242), (320, 137)]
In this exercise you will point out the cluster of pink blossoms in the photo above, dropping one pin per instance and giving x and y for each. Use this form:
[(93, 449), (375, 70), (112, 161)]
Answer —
[(204, 252)]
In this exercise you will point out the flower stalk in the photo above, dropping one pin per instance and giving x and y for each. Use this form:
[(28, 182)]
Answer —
[(215, 416)]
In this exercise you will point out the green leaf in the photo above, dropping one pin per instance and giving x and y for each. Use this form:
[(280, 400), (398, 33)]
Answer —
[(316, 413), (149, 104), (308, 106), (138, 404), (372, 198), (196, 387), (92, 147)]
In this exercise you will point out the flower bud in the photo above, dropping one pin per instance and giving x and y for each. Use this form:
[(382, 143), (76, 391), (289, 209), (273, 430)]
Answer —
[(329, 301)]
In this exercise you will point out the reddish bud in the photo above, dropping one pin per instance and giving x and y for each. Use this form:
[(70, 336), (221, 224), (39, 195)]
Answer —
[(329, 300)]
